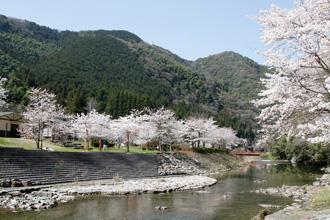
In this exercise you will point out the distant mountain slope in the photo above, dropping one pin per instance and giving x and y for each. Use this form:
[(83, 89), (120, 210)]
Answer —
[(185, 84), (23, 42), (240, 74), (101, 61)]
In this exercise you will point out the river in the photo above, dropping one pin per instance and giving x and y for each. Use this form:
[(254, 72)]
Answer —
[(206, 203)]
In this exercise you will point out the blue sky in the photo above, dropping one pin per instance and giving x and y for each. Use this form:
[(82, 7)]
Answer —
[(188, 28)]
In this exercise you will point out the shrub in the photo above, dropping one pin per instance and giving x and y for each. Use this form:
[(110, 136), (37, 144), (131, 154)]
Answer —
[(204, 150), (304, 152)]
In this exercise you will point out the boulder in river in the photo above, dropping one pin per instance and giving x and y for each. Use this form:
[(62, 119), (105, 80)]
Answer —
[(161, 207), (5, 182), (262, 214)]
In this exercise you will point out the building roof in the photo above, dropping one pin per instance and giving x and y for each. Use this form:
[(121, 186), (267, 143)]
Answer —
[(6, 113), (59, 121), (11, 116)]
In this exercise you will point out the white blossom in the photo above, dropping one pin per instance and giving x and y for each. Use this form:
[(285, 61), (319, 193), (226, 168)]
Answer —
[(159, 126), (3, 95), (127, 128), (40, 113), (203, 132), (167, 128), (296, 97), (92, 124)]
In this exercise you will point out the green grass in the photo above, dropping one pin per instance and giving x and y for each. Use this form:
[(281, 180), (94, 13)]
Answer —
[(31, 145), (3, 141), (321, 198), (18, 142), (123, 149)]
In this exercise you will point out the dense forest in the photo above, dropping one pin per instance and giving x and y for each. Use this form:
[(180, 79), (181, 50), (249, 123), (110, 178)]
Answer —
[(238, 73), (116, 71)]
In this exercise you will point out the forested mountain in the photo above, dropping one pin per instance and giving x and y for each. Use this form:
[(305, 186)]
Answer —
[(239, 74), (116, 71), (240, 78)]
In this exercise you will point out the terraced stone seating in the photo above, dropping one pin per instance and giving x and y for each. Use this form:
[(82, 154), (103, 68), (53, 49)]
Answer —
[(60, 167)]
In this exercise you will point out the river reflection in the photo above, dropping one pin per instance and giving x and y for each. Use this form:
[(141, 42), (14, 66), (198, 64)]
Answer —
[(207, 203)]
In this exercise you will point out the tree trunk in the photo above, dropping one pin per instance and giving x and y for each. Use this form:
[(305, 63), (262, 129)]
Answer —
[(87, 139), (38, 136), (37, 142), (127, 142)]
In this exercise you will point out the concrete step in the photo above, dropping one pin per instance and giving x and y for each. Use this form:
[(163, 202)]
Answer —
[(60, 167)]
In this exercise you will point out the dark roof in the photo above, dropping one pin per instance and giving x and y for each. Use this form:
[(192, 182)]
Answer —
[(6, 113), (59, 121), (11, 116)]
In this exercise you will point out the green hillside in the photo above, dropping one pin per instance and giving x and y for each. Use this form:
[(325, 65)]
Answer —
[(240, 78), (96, 62), (239, 74), (185, 84)]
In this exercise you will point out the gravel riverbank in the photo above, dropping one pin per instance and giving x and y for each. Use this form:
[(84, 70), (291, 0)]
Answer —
[(34, 198)]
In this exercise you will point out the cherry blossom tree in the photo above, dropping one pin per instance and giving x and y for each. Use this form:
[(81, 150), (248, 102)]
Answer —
[(125, 128), (175, 132), (40, 113), (147, 130), (165, 124), (296, 98), (92, 124), (3, 94), (60, 131), (225, 138), (198, 130), (203, 132)]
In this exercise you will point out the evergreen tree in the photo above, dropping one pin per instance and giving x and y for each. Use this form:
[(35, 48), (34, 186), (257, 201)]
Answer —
[(78, 102)]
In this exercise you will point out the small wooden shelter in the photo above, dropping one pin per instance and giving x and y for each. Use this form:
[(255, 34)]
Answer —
[(9, 124)]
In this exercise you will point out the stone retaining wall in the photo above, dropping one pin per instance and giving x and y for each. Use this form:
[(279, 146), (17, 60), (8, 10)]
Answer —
[(43, 167), (38, 167)]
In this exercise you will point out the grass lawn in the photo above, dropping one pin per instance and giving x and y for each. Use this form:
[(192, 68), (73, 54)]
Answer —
[(31, 145), (132, 149), (321, 198)]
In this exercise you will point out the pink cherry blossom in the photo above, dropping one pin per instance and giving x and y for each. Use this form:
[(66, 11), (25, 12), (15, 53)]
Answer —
[(296, 98), (40, 113), (3, 95)]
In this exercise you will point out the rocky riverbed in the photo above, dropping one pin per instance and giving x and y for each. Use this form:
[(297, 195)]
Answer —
[(302, 208), (44, 197)]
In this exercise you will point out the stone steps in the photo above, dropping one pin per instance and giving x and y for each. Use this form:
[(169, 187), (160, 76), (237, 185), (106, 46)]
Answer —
[(60, 167)]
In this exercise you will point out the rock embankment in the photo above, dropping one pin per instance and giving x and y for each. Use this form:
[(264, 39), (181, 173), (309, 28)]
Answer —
[(301, 208), (48, 197), (29, 198), (178, 164), (181, 164), (17, 183)]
